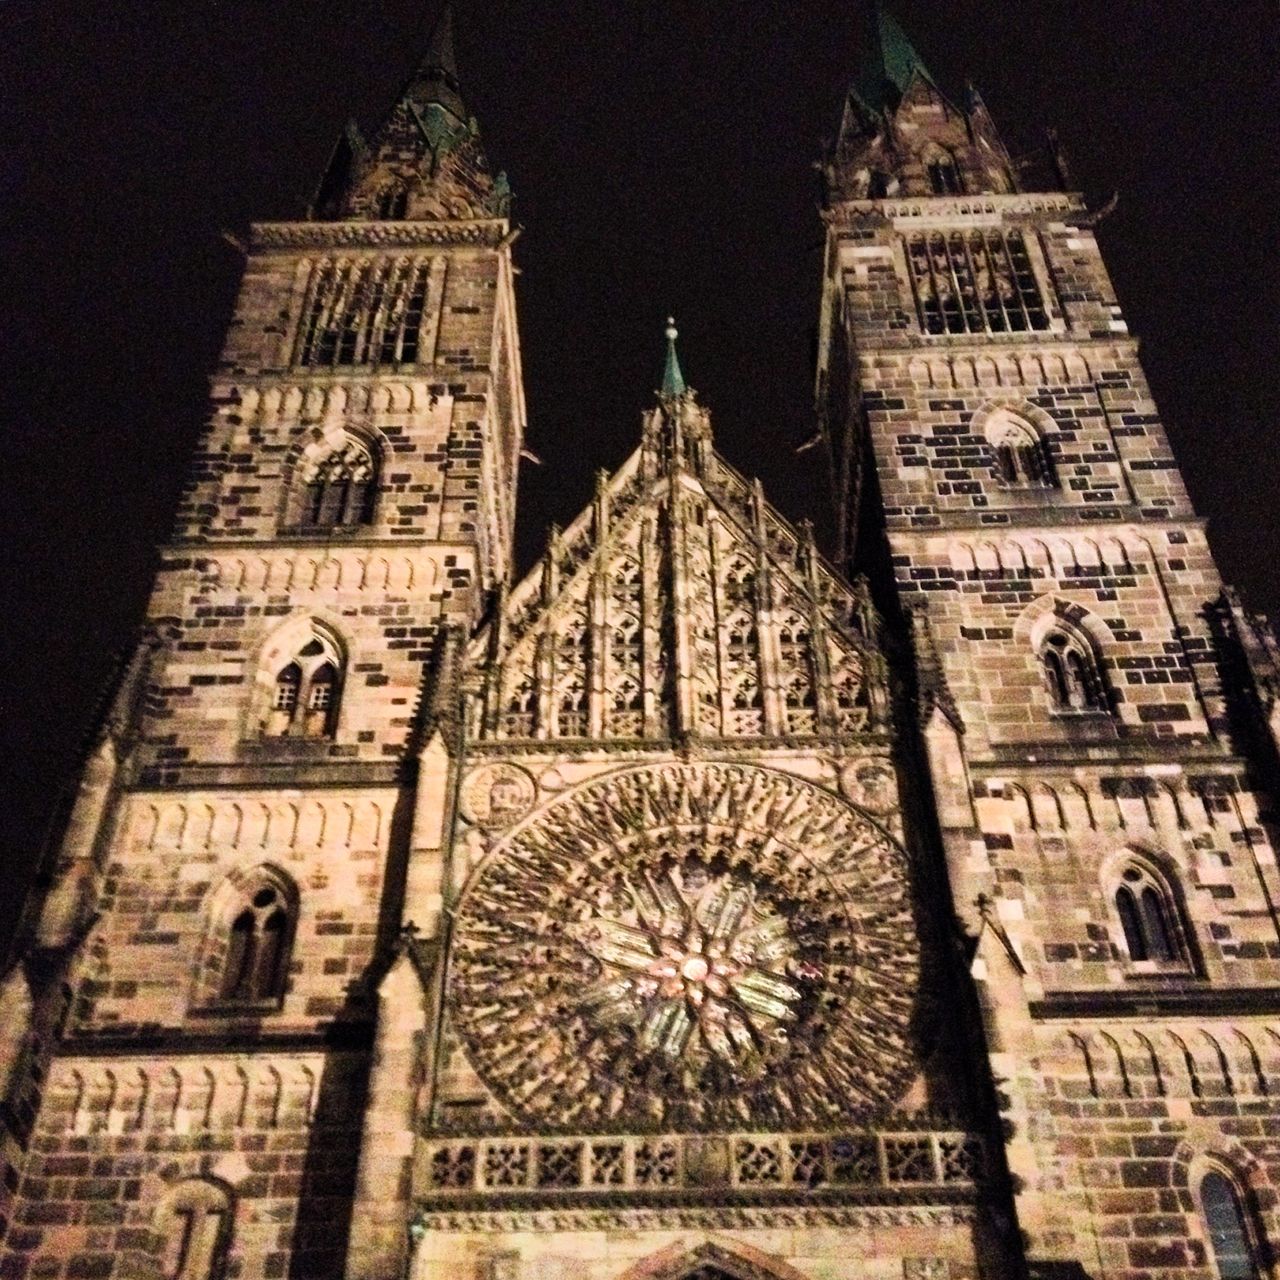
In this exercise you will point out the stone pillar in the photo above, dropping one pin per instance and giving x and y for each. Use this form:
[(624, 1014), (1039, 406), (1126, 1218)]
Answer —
[(383, 1202)]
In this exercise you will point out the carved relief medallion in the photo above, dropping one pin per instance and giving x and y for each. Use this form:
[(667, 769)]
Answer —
[(690, 945), (497, 795), (870, 784)]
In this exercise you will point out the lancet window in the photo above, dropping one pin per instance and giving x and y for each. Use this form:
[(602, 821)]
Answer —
[(305, 690), (195, 1229), (335, 488), (796, 675), (1231, 1232), (252, 938), (944, 177), (519, 717), (363, 312), (975, 282), (848, 690), (1021, 456), (625, 681), (1149, 916), (572, 707), (393, 202), (1071, 672), (742, 648)]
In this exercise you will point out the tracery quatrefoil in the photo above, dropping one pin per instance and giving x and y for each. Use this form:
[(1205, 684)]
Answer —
[(690, 946)]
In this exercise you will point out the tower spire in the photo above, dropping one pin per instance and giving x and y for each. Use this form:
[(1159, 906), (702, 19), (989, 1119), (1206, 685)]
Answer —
[(888, 62), (673, 383), (425, 159), (435, 84)]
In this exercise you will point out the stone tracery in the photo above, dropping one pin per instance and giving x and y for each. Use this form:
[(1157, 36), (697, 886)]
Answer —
[(690, 946)]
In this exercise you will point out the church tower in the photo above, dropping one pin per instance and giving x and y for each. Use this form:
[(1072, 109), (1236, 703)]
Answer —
[(696, 907), (1093, 714), (232, 883)]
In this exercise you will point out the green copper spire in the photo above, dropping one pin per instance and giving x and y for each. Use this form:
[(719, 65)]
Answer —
[(672, 379), (436, 82), (888, 64)]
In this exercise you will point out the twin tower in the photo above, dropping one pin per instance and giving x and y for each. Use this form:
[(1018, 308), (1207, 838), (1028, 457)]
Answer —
[(699, 907)]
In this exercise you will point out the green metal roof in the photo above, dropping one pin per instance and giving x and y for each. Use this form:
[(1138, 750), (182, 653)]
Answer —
[(887, 65), (672, 379)]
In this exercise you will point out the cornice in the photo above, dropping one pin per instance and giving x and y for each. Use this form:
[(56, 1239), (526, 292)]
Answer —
[(488, 232), (719, 1217), (926, 210), (1201, 1001), (229, 1040)]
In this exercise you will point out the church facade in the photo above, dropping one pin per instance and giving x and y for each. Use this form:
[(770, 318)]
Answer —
[(699, 907)]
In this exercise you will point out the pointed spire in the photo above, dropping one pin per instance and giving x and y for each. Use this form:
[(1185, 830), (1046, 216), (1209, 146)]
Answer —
[(673, 383), (888, 63), (436, 81)]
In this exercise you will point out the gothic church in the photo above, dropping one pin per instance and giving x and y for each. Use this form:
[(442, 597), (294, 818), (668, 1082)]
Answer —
[(702, 906)]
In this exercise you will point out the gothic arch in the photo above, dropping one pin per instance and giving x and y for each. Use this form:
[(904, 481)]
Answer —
[(357, 451), (1070, 644), (941, 171), (267, 897), (1237, 1177), (287, 646), (1019, 449), (1139, 871), (713, 1258), (191, 1230)]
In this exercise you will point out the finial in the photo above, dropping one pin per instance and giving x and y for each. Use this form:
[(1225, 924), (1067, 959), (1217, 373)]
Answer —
[(673, 383)]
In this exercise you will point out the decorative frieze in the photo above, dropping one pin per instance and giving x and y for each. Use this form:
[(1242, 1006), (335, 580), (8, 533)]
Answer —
[(600, 1166)]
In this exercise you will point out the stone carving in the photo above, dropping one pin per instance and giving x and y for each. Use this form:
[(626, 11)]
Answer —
[(723, 1218), (497, 795), (690, 946), (870, 784), (704, 617), (925, 1269)]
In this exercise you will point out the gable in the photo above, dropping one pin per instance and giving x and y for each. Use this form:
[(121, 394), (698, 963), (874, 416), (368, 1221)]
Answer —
[(679, 604)]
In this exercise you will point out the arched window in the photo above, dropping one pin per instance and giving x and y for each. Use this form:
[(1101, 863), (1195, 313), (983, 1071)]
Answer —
[(1021, 456), (1232, 1240), (1149, 916), (250, 939), (335, 487), (1071, 671), (881, 185), (255, 960), (194, 1224), (393, 201), (944, 177), (305, 690)]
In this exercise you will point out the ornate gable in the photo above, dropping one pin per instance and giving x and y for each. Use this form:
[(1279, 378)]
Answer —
[(679, 605)]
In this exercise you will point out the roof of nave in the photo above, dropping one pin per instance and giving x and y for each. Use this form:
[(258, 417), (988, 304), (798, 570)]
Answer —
[(679, 604)]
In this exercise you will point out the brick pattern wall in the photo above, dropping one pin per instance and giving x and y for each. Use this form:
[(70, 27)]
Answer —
[(115, 1135), (157, 1079), (1128, 1111), (1108, 1121), (177, 857)]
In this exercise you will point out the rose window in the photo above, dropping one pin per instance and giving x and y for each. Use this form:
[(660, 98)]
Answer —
[(699, 968), (690, 946)]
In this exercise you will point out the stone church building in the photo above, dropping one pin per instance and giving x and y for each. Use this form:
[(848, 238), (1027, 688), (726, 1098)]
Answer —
[(701, 906)]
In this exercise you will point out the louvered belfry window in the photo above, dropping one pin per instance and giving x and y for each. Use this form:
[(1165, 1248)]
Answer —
[(975, 282), (363, 312)]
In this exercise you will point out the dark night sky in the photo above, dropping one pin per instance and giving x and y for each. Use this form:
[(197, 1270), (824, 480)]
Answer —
[(661, 153)]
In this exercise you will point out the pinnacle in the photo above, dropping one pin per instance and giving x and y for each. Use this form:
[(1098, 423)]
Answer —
[(673, 383)]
